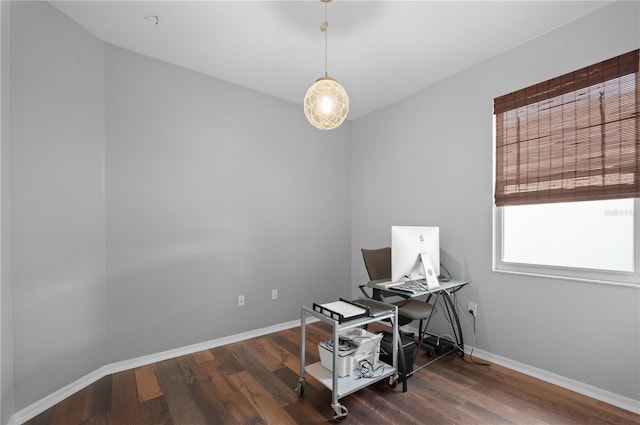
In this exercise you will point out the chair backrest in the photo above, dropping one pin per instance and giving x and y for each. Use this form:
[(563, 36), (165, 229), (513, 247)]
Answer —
[(377, 262)]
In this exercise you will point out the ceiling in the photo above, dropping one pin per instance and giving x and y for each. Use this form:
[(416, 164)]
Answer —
[(380, 51)]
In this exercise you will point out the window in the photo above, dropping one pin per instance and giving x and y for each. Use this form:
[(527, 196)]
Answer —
[(568, 175), (591, 240)]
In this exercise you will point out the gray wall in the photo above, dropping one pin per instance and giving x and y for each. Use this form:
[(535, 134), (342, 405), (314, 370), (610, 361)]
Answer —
[(428, 160), (214, 191), (57, 201), (6, 296)]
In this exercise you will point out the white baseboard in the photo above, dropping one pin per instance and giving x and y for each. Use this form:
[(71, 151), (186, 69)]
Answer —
[(56, 397), (561, 381)]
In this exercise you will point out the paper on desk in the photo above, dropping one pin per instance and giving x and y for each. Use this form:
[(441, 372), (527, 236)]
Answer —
[(346, 309)]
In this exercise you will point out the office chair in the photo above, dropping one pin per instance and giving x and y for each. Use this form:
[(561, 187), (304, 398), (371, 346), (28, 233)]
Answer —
[(378, 265)]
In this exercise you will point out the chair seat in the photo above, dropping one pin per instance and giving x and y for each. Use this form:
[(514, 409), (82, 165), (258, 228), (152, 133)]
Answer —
[(414, 309)]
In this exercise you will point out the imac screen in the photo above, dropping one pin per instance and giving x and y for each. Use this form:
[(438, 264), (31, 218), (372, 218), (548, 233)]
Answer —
[(407, 243)]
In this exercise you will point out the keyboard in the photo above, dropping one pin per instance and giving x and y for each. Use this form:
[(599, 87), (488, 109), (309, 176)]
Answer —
[(411, 287)]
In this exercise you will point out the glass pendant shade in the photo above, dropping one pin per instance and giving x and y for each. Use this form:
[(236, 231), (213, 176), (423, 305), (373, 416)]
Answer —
[(326, 104)]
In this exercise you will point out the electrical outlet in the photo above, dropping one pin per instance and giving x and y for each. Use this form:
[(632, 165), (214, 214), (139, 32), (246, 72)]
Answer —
[(240, 300), (274, 294), (472, 308)]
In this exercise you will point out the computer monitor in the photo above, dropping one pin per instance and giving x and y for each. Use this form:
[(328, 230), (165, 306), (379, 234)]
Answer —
[(407, 243)]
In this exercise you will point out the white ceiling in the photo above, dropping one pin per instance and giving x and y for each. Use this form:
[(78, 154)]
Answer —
[(380, 51)]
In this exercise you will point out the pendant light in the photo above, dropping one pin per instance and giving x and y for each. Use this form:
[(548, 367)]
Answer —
[(326, 103)]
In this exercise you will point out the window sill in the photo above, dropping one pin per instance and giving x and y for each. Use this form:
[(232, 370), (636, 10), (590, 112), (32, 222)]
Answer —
[(631, 281)]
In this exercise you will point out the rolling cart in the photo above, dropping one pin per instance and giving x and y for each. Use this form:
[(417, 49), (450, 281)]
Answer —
[(343, 386)]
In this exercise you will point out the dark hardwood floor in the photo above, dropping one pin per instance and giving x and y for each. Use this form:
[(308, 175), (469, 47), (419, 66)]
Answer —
[(252, 382)]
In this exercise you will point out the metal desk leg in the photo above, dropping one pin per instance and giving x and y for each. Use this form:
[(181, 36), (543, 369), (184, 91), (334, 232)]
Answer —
[(422, 333), (394, 357), (455, 320), (459, 336), (401, 364)]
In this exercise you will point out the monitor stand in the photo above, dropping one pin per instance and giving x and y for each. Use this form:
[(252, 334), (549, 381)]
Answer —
[(429, 271)]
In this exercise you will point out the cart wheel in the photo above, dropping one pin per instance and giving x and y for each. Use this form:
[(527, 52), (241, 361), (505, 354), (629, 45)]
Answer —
[(300, 387), (339, 412), (392, 382)]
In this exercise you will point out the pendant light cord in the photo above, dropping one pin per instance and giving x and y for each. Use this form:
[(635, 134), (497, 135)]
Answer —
[(323, 28)]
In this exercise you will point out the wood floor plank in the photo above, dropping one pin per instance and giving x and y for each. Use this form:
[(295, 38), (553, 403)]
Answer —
[(523, 408), (442, 413), (98, 398), (281, 392), (204, 391), (284, 357), (191, 369), (71, 410), (315, 404), (227, 360), (361, 413), (156, 411), (124, 400), (212, 407), (307, 415), (181, 406), (315, 392), (147, 382), (262, 401), (524, 390), (220, 389), (603, 413), (268, 356), (291, 339), (440, 390), (314, 334), (96, 420), (525, 387), (290, 379), (203, 356), (482, 415), (451, 391), (291, 344), (161, 415), (398, 409)]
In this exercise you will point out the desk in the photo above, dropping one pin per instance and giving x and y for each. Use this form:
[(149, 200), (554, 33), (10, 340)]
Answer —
[(444, 290)]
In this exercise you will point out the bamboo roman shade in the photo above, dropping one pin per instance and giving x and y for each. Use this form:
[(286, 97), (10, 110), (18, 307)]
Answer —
[(571, 138)]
